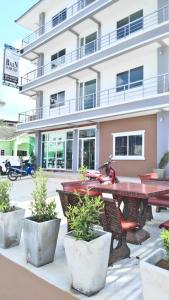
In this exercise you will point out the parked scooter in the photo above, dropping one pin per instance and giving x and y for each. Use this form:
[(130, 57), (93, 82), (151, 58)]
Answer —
[(109, 171), (25, 169)]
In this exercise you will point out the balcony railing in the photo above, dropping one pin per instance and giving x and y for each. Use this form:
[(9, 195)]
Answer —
[(64, 15), (105, 41), (131, 92)]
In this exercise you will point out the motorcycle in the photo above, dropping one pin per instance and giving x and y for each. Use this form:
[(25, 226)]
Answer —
[(109, 171), (25, 169)]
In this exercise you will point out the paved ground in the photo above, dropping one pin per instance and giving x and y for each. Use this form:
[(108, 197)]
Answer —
[(22, 189), (123, 278)]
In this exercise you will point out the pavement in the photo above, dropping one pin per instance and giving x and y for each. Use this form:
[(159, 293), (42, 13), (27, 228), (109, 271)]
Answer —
[(123, 278)]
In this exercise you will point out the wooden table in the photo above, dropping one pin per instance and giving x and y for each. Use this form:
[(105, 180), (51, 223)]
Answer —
[(135, 198)]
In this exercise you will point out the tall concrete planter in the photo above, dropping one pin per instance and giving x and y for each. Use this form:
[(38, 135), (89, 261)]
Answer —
[(88, 262), (11, 227), (40, 241), (155, 280), (160, 173)]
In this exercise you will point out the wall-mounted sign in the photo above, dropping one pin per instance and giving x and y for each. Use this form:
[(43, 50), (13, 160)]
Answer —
[(11, 66)]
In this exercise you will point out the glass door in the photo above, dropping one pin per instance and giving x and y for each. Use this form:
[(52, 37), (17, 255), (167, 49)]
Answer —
[(88, 44), (87, 148), (88, 94), (60, 155)]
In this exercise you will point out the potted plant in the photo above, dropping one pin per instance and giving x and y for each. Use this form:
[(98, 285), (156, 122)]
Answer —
[(42, 228), (162, 165), (11, 218), (155, 272), (87, 248)]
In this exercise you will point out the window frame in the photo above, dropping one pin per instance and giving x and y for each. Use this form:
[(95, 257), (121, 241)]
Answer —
[(128, 28), (130, 84), (128, 134), (57, 105), (59, 17)]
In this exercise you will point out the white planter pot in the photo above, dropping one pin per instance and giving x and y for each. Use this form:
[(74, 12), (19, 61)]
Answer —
[(40, 241), (11, 224), (88, 262), (159, 172), (154, 279)]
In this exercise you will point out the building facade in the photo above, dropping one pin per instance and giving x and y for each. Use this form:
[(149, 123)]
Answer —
[(101, 83)]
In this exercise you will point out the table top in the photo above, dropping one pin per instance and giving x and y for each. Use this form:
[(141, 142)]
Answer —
[(135, 190)]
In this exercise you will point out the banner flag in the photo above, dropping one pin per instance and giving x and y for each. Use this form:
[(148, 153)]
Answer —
[(11, 66)]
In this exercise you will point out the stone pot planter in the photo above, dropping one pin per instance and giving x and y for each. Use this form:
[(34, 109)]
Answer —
[(88, 262), (154, 279), (40, 241), (11, 227), (159, 172)]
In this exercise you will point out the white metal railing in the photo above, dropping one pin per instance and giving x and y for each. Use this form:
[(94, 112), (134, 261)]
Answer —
[(99, 44), (137, 90), (65, 14)]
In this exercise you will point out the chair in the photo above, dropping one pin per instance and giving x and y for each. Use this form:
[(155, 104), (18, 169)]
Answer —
[(165, 225), (112, 220)]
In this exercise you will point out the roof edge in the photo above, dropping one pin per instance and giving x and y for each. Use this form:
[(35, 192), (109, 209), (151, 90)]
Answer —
[(27, 11)]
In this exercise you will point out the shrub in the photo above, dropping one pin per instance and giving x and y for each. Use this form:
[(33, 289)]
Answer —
[(84, 216), (164, 161), (42, 210), (81, 172), (165, 238), (5, 206)]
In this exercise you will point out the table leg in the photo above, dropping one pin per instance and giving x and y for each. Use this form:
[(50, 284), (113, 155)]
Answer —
[(120, 252), (136, 211)]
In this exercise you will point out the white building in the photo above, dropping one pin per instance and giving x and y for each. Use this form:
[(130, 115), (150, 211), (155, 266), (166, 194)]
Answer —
[(101, 82)]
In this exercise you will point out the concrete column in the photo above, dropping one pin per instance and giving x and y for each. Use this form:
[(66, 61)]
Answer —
[(75, 165), (39, 105), (97, 158), (163, 68), (38, 151), (77, 94), (41, 23), (98, 88), (40, 65)]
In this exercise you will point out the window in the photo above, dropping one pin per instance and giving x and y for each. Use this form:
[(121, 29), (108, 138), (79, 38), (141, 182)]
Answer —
[(129, 79), (21, 153), (59, 18), (57, 100), (58, 58), (84, 3), (130, 24), (128, 145), (2, 152)]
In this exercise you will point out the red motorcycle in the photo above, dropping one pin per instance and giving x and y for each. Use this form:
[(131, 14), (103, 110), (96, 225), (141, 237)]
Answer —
[(109, 171)]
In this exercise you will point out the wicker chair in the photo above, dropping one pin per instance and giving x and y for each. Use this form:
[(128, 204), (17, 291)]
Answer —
[(112, 220)]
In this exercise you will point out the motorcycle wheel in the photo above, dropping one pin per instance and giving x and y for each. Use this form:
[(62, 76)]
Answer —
[(33, 173), (12, 175)]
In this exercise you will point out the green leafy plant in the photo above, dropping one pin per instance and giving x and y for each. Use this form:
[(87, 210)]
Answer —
[(165, 238), (84, 216), (42, 210), (164, 160), (5, 206), (81, 172)]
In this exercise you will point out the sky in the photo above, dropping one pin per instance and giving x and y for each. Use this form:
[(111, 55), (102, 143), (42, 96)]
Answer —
[(12, 34)]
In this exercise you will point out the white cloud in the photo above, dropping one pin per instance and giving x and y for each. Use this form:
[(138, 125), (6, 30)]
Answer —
[(15, 102)]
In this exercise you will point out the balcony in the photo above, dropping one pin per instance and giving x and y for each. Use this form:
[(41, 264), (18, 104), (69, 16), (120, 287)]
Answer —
[(65, 20), (118, 39), (140, 95)]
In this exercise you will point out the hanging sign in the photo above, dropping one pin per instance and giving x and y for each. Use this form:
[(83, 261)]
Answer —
[(11, 66)]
